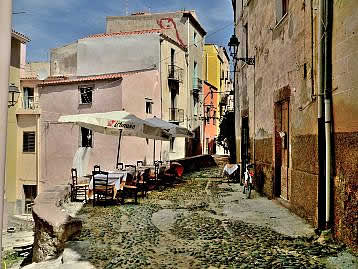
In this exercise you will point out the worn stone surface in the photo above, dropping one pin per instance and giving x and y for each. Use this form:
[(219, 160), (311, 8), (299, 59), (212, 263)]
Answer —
[(201, 222), (53, 227)]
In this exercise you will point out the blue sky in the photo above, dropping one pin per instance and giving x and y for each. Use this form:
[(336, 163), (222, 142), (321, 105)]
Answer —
[(50, 24)]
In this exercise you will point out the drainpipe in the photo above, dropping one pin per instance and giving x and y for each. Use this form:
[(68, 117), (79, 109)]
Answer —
[(5, 51), (327, 106), (324, 106)]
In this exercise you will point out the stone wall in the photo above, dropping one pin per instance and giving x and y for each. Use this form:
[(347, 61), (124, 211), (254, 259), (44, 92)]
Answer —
[(53, 227)]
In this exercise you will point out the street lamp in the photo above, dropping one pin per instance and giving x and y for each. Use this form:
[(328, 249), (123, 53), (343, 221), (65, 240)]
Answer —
[(13, 95), (233, 45)]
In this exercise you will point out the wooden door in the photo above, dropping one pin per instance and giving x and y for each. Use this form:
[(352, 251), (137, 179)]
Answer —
[(284, 137)]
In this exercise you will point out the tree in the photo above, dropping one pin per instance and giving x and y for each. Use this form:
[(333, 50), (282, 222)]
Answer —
[(226, 136)]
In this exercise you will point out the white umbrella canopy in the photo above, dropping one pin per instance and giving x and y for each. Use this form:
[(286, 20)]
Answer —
[(118, 123), (173, 129)]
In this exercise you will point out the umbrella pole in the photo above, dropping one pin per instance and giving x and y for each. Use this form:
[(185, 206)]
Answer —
[(154, 151), (119, 147)]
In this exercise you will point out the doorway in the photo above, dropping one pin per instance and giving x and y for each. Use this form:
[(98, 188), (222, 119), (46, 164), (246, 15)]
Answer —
[(245, 143), (282, 126)]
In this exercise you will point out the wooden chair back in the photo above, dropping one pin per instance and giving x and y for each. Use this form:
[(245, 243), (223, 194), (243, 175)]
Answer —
[(74, 176), (139, 163), (100, 186), (120, 166), (97, 168)]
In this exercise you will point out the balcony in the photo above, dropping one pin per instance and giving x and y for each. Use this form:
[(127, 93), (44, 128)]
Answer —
[(29, 105), (176, 114), (175, 73), (197, 85)]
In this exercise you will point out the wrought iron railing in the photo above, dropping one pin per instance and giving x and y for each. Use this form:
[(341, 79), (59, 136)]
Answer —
[(175, 73), (30, 102), (176, 114)]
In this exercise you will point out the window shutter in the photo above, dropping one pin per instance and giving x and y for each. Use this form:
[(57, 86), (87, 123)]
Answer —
[(278, 10)]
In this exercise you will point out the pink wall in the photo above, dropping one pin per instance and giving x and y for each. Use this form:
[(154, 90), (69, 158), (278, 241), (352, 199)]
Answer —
[(59, 142)]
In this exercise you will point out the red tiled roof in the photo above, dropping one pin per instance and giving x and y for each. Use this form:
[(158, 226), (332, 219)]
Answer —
[(90, 78), (141, 32)]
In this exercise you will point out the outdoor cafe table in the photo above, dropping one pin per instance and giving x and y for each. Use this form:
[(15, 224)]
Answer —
[(115, 178)]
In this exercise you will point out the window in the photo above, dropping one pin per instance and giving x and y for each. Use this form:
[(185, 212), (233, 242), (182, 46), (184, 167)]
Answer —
[(28, 144), (86, 94), (194, 39), (195, 103), (172, 141), (86, 138), (28, 101), (148, 105), (281, 9), (214, 118)]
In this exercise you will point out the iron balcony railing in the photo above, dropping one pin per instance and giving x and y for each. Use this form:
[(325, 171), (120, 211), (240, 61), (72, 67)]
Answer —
[(176, 114), (197, 84), (30, 102), (175, 73)]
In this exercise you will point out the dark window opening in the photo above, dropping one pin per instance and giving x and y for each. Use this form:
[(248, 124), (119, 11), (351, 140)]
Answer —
[(148, 106), (86, 94), (28, 100), (28, 142), (87, 138), (172, 140)]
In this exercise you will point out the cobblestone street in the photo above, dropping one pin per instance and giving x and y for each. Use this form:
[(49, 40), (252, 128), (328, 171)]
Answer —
[(198, 223)]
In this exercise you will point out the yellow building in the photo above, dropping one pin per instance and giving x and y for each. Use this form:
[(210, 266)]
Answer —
[(17, 63), (217, 73)]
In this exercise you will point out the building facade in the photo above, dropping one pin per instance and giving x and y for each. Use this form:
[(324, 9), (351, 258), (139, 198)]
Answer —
[(278, 107), (14, 190), (185, 28)]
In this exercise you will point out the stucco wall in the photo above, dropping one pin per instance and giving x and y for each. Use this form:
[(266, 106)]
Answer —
[(60, 142), (64, 60), (117, 54)]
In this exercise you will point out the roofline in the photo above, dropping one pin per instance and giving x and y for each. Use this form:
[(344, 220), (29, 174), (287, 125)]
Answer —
[(110, 76), (225, 52), (19, 36), (194, 21), (211, 85), (174, 41)]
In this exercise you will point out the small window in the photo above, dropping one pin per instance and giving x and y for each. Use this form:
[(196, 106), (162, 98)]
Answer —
[(28, 142), (195, 103), (86, 94), (172, 141), (148, 106), (86, 138), (195, 39)]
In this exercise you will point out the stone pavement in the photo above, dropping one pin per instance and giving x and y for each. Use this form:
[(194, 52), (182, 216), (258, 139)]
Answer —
[(198, 223)]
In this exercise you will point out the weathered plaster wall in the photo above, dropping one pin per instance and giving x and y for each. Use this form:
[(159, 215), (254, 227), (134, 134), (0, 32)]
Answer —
[(210, 129), (117, 54), (283, 54), (64, 60), (345, 111)]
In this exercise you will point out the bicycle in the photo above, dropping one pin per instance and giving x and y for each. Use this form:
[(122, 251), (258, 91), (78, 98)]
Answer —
[(248, 179)]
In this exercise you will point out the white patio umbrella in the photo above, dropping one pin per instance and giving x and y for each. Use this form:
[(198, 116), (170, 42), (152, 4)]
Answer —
[(118, 123), (173, 129)]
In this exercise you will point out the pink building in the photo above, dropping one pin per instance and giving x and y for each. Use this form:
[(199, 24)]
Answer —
[(64, 146)]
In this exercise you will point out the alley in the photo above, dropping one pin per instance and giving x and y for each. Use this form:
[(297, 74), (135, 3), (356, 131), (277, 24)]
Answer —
[(201, 222)]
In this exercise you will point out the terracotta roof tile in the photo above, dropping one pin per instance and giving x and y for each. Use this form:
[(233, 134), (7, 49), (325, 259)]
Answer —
[(141, 32), (90, 78)]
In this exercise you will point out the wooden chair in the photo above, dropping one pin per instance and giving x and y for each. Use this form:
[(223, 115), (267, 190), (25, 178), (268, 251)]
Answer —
[(77, 189), (130, 188), (139, 163), (101, 190)]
